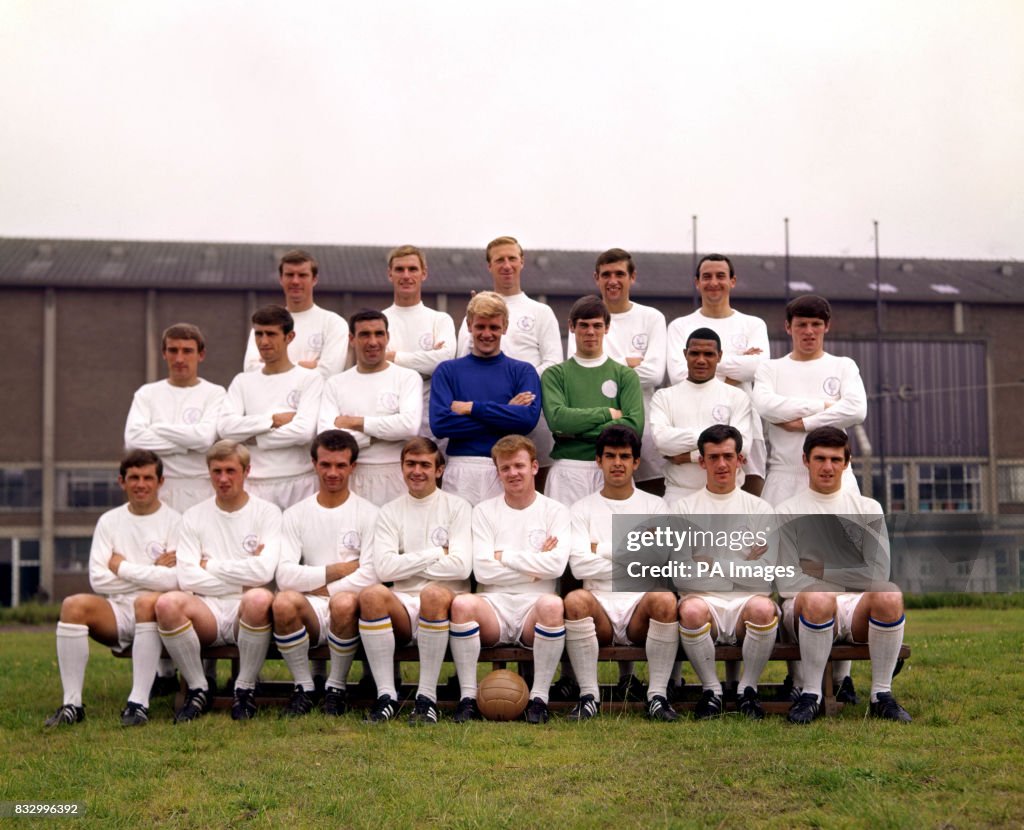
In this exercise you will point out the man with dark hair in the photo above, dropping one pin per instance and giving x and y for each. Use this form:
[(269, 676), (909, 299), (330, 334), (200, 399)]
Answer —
[(719, 607), (481, 397), (521, 543), (227, 555), (177, 418), (325, 561), (379, 403), (274, 411), (532, 334), (423, 545), (131, 561), (836, 542), (806, 389), (582, 396), (744, 342), (635, 338), (679, 413), (321, 336), (597, 615), (421, 338)]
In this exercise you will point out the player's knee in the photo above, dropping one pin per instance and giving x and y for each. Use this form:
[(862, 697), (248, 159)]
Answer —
[(760, 611), (693, 613), (343, 608), (256, 604), (662, 605), (170, 607), (75, 609), (550, 610), (286, 604), (577, 604), (373, 601), (887, 606), (462, 610), (145, 607), (435, 602), (818, 607)]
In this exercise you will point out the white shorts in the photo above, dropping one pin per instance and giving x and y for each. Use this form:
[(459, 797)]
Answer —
[(225, 614), (284, 491), (846, 605), (511, 610), (183, 493), (378, 483), (780, 485), (652, 462), (620, 607), (570, 480), (725, 613), (321, 610), (471, 477), (411, 604), (123, 606), (757, 452)]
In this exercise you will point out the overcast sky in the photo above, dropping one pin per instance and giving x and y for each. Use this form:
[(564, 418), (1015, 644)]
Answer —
[(572, 125)]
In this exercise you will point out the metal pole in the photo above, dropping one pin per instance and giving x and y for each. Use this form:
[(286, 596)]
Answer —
[(785, 288), (693, 270), (884, 500)]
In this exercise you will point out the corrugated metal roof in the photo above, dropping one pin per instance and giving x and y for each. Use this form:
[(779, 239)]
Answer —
[(199, 265)]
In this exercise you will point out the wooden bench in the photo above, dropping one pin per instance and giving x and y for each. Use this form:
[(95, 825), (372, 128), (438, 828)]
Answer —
[(774, 696)]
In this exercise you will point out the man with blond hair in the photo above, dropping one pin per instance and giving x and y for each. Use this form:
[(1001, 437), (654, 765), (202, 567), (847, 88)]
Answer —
[(227, 553), (481, 397), (421, 337), (321, 336), (532, 333)]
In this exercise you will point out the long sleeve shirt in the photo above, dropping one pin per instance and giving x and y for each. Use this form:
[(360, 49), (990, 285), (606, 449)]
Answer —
[(320, 335), (140, 540)]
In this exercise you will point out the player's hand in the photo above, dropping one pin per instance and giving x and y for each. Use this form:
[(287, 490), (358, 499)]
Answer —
[(115, 561), (616, 413), (549, 544), (349, 422), (389, 357), (445, 551), (462, 407), (339, 570), (438, 345), (682, 458), (733, 382), (258, 550), (812, 568), (167, 559), (633, 362), (752, 350), (593, 547), (309, 364), (202, 562), (497, 555), (320, 592), (796, 425), (279, 419), (523, 399)]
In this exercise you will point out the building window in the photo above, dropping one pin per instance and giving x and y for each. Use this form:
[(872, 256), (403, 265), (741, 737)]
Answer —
[(1011, 483), (949, 488), (88, 488), (20, 488), (71, 553)]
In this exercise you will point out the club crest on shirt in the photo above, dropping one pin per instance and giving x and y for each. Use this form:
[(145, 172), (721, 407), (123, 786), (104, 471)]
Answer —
[(720, 412), (536, 538), (191, 415), (609, 388), (315, 341), (251, 543), (293, 398), (387, 401), (439, 537), (831, 386), (155, 550), (739, 342), (350, 540), (427, 340), (639, 342), (525, 323)]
